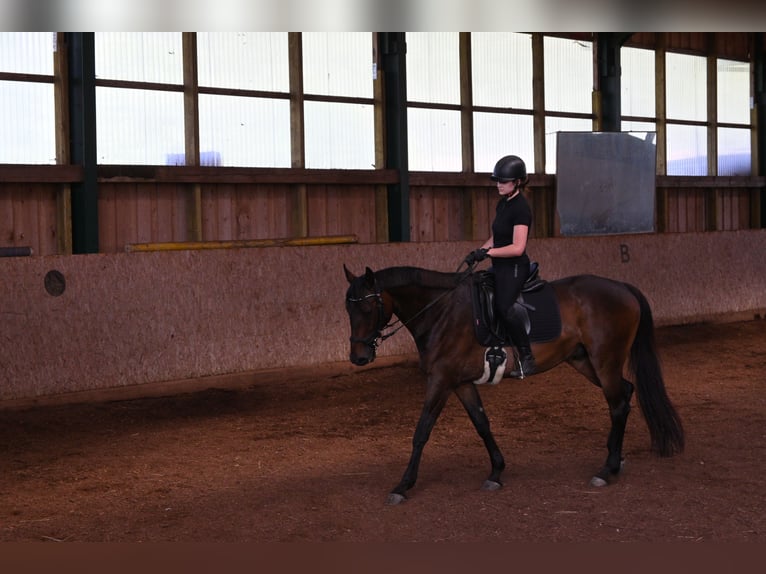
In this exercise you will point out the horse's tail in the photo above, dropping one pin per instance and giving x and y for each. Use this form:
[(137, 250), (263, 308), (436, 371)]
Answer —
[(664, 424)]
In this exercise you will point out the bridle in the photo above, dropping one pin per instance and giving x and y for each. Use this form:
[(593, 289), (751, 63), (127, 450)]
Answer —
[(371, 340), (375, 338)]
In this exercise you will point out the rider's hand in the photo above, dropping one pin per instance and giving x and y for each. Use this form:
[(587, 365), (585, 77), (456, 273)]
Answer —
[(476, 256)]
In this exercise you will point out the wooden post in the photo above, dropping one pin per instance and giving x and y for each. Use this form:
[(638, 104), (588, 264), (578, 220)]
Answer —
[(191, 136), (299, 215), (63, 156), (712, 200), (466, 133), (661, 127)]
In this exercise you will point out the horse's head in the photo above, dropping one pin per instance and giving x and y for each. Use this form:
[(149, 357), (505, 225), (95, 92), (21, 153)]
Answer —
[(367, 313)]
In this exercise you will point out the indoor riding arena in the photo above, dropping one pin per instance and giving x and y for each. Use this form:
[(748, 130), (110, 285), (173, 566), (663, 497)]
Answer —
[(177, 323)]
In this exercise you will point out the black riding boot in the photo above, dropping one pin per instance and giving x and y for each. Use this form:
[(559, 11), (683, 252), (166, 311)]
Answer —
[(518, 332)]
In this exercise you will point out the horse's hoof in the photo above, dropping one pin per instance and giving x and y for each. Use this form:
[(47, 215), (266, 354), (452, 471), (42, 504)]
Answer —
[(598, 481), (395, 498), (491, 485)]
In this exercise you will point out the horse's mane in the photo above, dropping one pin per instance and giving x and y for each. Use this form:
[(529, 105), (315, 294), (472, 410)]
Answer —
[(393, 277)]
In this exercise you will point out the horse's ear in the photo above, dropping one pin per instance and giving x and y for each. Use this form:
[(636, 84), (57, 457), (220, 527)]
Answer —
[(369, 277), (349, 276)]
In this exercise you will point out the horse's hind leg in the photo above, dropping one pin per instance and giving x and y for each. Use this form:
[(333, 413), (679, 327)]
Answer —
[(618, 393), (469, 397), (619, 409)]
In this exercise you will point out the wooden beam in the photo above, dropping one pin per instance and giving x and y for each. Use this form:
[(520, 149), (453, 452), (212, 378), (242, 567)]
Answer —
[(467, 131), (191, 135), (538, 100), (244, 175), (61, 104), (379, 114), (661, 128), (712, 201), (299, 212)]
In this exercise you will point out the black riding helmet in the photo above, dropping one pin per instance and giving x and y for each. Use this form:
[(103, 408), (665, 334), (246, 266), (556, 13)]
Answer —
[(509, 168)]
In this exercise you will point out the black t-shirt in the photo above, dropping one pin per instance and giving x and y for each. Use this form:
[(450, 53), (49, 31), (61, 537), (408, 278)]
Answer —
[(508, 213)]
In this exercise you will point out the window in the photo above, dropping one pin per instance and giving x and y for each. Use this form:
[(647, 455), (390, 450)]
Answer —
[(243, 61), (637, 84), (249, 128), (338, 134), (497, 135), (734, 153), (434, 140), (568, 91), (433, 67), (502, 78), (27, 104), (144, 127), (568, 75), (241, 131), (141, 119), (686, 99), (433, 78), (553, 125)]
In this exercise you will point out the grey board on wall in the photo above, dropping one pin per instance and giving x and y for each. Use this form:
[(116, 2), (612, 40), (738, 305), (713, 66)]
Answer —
[(605, 182)]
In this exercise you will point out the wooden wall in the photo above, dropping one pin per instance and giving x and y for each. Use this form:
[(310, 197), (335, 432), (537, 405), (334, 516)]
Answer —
[(28, 216), (443, 207)]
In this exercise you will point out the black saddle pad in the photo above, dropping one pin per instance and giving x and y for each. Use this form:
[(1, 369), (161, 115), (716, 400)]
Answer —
[(545, 320)]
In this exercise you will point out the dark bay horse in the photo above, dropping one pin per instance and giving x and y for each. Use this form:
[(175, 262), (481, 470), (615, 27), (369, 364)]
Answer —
[(607, 327)]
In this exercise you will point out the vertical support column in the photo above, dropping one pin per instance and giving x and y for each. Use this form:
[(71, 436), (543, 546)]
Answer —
[(300, 215), (61, 99), (538, 100), (381, 191), (711, 201), (466, 132), (191, 135), (545, 221), (608, 85), (758, 210), (393, 51), (659, 105), (81, 53)]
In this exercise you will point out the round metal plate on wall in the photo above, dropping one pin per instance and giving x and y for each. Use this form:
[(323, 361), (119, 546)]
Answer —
[(55, 283)]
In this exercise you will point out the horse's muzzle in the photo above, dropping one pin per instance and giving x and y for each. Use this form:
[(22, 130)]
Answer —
[(362, 355), (360, 361)]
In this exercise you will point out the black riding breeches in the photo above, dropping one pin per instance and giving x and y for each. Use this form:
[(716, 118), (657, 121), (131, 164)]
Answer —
[(509, 279)]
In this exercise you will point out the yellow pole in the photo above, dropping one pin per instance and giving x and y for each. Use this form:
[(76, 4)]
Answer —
[(236, 244)]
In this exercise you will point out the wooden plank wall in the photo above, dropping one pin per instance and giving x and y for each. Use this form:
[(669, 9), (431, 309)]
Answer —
[(140, 213), (437, 214), (342, 210), (28, 216), (144, 212), (233, 211)]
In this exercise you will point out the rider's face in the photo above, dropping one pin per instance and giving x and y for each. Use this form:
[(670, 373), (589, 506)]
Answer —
[(506, 188)]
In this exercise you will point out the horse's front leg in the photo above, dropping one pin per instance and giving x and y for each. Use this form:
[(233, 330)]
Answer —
[(436, 398), (469, 397)]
